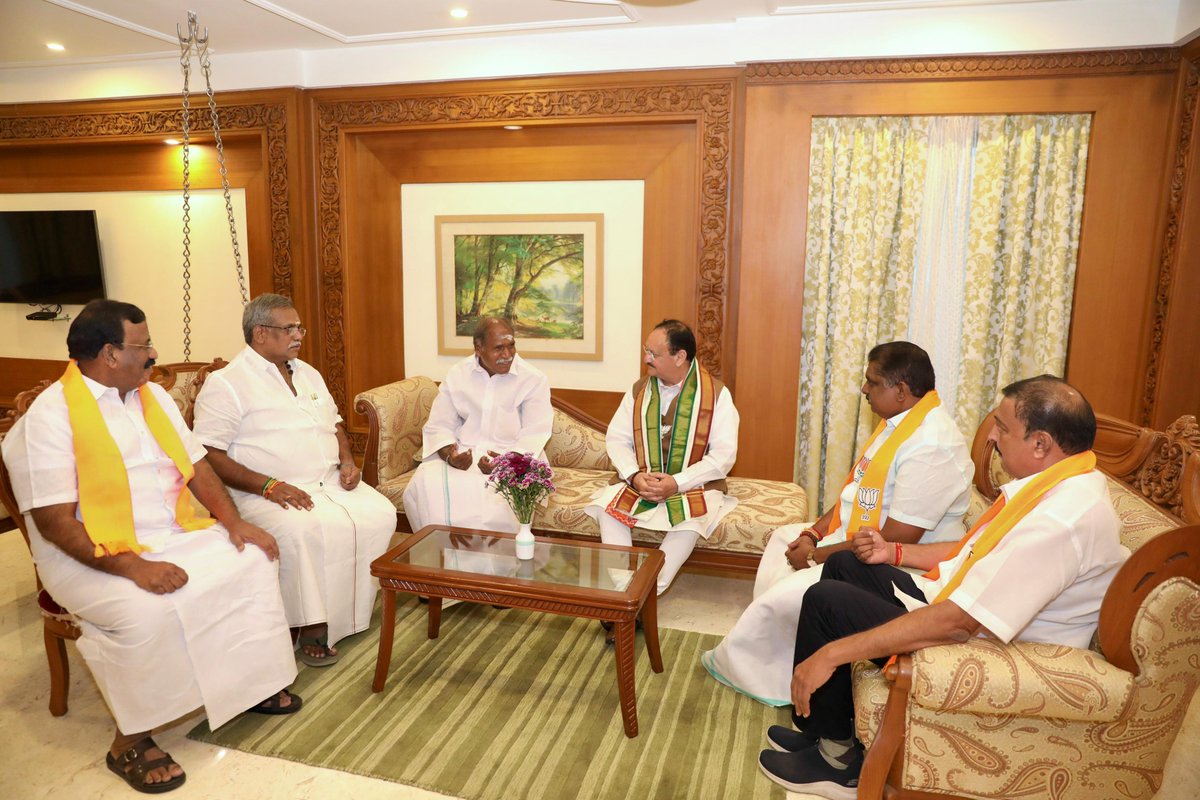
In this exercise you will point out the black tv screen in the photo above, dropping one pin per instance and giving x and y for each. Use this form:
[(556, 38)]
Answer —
[(49, 257)]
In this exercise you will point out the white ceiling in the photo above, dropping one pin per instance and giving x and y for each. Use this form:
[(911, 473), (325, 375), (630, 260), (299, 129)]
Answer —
[(118, 30), (123, 48)]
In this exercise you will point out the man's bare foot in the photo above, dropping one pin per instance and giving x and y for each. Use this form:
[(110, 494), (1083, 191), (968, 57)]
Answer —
[(282, 703), (314, 646)]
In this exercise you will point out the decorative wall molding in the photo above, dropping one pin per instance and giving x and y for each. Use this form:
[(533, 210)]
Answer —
[(1170, 249), (1032, 65), (709, 103), (271, 118)]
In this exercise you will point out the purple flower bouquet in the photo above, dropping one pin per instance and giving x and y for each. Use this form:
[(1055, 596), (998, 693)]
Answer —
[(523, 481)]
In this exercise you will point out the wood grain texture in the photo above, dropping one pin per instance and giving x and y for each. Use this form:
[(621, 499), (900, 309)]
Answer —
[(1120, 244)]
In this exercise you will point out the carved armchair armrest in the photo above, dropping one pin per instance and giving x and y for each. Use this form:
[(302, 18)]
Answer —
[(396, 413), (1024, 679)]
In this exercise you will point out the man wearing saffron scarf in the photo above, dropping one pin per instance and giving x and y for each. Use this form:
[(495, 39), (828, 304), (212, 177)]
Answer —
[(672, 441), (1035, 567), (275, 437), (911, 482), (175, 611)]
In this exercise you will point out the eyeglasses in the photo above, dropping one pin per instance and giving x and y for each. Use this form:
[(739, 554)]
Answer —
[(288, 329), (653, 355), (146, 346)]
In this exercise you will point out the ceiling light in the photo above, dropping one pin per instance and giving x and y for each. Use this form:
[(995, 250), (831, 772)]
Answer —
[(172, 142), (55, 46), (459, 13), (513, 127)]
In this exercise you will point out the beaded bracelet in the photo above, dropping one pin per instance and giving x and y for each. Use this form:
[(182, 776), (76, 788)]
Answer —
[(813, 536), (899, 554), (268, 486)]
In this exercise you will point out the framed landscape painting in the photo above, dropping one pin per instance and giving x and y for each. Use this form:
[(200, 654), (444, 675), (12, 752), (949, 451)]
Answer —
[(542, 272)]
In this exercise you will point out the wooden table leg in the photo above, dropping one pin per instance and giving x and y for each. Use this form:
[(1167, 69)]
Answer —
[(387, 630), (435, 616), (650, 630), (625, 673)]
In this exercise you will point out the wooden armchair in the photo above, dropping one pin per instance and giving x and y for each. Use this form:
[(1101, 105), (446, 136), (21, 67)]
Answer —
[(987, 720), (183, 382)]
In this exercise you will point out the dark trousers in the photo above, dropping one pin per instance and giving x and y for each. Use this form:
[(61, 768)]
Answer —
[(851, 597)]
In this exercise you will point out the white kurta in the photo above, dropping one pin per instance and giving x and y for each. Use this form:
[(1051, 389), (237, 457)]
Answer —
[(715, 465), (220, 641), (480, 412), (1044, 581), (928, 485), (325, 553)]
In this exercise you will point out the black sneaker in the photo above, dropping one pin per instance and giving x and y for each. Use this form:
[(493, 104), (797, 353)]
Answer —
[(786, 740), (808, 772)]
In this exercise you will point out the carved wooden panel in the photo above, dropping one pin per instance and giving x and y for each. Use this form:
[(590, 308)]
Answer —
[(269, 118), (1030, 65), (708, 103)]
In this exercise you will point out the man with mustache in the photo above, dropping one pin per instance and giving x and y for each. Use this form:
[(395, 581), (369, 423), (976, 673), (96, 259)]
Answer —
[(672, 441), (490, 403), (1034, 568), (275, 437), (175, 611)]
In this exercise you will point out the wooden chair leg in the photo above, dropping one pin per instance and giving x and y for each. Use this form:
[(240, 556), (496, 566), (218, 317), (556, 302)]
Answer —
[(60, 672)]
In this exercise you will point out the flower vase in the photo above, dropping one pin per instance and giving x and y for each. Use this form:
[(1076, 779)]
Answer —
[(525, 541)]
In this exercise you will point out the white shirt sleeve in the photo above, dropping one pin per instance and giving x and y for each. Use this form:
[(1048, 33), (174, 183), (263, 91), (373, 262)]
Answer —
[(618, 441), (444, 421), (218, 413), (195, 448), (537, 418), (722, 447), (929, 483), (40, 455)]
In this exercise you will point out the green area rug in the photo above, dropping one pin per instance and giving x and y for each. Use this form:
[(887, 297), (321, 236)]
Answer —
[(513, 704)]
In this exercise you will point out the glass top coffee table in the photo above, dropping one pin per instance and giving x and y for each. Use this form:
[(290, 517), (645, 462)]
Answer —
[(585, 579)]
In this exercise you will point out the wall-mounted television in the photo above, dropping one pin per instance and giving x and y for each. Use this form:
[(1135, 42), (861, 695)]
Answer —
[(49, 257)]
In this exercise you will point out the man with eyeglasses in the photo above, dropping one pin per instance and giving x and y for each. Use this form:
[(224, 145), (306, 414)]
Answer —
[(176, 610), (275, 436), (672, 441)]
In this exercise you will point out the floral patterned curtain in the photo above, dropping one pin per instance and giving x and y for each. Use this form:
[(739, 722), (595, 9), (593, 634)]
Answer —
[(886, 195)]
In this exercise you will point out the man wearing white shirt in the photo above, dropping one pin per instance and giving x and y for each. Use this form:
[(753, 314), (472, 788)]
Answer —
[(175, 612), (672, 441), (275, 436), (490, 403), (924, 492), (1034, 568)]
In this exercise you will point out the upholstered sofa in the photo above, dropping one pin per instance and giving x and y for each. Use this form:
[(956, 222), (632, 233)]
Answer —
[(986, 720), (397, 412)]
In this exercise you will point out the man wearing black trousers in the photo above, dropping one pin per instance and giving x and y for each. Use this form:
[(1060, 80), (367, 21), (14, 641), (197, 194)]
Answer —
[(1035, 568)]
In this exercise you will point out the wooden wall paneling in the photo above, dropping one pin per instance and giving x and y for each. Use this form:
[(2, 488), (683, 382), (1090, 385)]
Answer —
[(1173, 380), (1130, 96), (450, 132), (116, 145), (25, 373), (601, 405)]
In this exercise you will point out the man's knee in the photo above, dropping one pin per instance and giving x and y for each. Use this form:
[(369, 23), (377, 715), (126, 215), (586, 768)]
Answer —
[(840, 563)]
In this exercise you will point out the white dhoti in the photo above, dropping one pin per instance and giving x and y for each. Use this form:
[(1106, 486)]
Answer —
[(325, 553), (756, 656), (680, 539), (220, 641), (440, 494)]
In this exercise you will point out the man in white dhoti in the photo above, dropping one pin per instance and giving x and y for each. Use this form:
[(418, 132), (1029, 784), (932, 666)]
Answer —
[(672, 441), (275, 437), (175, 612), (491, 402), (911, 482)]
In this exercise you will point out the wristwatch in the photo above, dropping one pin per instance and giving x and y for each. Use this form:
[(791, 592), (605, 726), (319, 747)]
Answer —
[(812, 558)]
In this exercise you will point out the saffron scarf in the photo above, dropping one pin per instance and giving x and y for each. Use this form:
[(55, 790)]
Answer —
[(690, 430), (1005, 516), (868, 500), (105, 500)]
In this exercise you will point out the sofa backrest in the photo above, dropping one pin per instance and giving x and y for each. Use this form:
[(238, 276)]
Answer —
[(575, 444)]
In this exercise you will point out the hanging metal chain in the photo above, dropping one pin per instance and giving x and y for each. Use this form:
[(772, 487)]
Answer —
[(195, 42)]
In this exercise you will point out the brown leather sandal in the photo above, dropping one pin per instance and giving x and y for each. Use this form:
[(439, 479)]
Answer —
[(133, 766)]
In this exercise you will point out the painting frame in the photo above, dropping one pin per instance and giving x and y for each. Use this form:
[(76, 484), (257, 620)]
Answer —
[(454, 339)]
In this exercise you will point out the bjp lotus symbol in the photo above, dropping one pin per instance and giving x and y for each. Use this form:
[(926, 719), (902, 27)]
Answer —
[(867, 499)]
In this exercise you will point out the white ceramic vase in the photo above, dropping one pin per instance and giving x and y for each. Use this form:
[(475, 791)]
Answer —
[(525, 541)]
